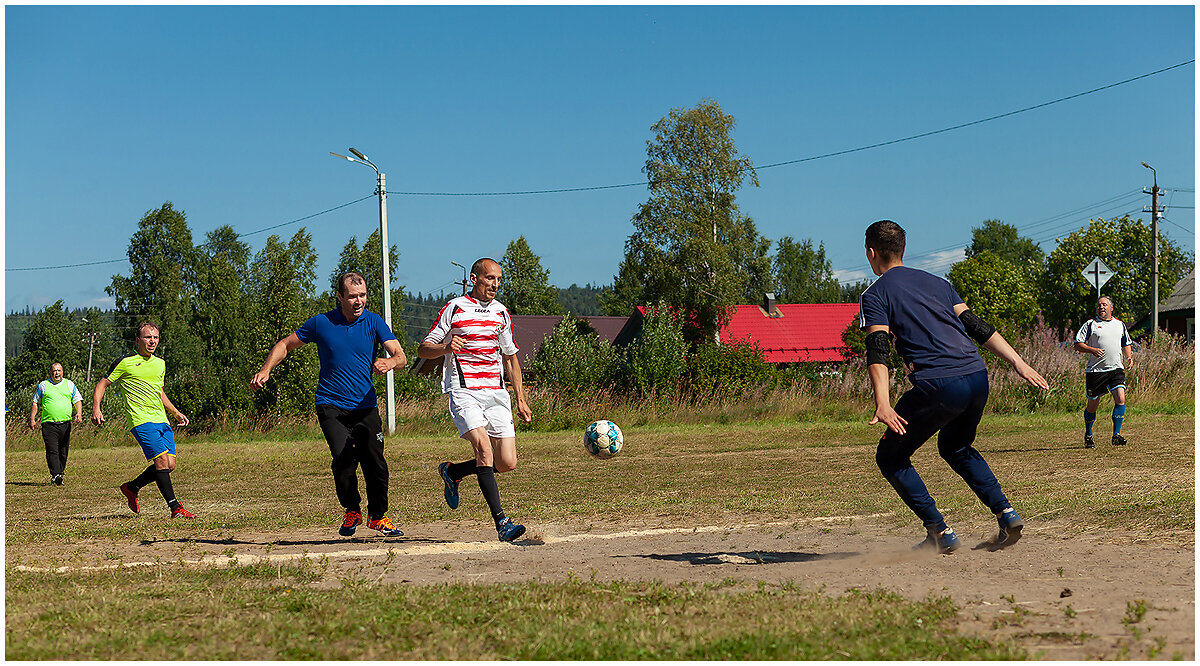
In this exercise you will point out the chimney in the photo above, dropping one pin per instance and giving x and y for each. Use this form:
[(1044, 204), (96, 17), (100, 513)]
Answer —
[(768, 307)]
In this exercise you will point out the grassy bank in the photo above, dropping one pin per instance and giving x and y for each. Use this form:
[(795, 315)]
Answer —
[(268, 612)]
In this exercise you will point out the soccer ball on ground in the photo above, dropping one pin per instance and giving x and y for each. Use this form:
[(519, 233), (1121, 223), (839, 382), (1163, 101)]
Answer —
[(603, 439)]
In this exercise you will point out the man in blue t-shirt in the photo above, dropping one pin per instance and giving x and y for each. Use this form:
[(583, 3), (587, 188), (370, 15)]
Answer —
[(348, 340), (933, 331)]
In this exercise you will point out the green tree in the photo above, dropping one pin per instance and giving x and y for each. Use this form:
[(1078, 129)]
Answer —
[(626, 291), (1003, 241), (802, 274), (691, 247), (52, 337), (1124, 244), (283, 281), (997, 291), (221, 320), (161, 287), (525, 289), (851, 291), (366, 261)]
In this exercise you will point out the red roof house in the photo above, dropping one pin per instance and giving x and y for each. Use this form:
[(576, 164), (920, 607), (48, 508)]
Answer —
[(797, 333), (791, 333)]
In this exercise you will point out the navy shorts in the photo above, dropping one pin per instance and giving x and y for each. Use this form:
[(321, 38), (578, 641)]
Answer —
[(1100, 383)]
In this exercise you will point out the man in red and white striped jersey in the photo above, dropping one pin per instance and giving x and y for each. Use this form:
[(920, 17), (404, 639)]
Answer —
[(474, 333)]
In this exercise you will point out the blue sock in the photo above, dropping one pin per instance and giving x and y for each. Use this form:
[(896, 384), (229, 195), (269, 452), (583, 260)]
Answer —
[(1088, 419), (1118, 418)]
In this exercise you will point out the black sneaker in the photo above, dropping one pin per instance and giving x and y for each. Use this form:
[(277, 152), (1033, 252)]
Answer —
[(1119, 440), (1088, 442), (57, 479)]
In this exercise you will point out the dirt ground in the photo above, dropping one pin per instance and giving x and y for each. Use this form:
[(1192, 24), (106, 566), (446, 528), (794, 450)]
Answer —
[(1062, 598)]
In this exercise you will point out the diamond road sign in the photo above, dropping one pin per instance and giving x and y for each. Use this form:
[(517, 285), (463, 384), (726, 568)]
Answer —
[(1097, 273)]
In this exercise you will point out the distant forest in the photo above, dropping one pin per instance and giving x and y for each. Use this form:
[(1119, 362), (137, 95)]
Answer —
[(419, 311)]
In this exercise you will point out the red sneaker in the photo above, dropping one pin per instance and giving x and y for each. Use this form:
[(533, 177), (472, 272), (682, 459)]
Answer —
[(130, 498), (182, 513), (352, 520)]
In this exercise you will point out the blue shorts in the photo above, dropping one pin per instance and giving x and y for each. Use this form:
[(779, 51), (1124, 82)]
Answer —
[(155, 439)]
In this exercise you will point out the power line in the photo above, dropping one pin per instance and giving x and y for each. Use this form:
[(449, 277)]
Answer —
[(202, 245), (814, 157)]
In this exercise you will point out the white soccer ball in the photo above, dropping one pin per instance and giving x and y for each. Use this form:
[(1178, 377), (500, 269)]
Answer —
[(603, 439)]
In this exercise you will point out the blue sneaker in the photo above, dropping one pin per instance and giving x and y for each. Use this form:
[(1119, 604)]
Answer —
[(1010, 528), (451, 485), (945, 542), (509, 531)]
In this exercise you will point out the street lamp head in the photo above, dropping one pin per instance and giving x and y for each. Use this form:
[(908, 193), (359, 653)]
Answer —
[(351, 159), (359, 155)]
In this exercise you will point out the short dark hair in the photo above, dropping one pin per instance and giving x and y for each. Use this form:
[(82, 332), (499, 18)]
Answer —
[(350, 277), (477, 267), (886, 238), (145, 324)]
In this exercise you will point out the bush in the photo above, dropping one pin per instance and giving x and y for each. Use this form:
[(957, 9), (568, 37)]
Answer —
[(728, 369), (574, 358), (654, 363)]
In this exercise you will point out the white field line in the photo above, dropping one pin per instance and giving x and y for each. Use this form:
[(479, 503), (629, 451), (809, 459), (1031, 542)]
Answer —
[(434, 549)]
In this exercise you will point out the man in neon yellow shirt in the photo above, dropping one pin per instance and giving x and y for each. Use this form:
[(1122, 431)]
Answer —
[(140, 377), (56, 397)]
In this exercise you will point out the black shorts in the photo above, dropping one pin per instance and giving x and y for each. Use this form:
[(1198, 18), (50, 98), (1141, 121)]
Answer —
[(1100, 383)]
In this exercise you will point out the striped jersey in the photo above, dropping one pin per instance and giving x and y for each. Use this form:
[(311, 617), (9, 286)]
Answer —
[(486, 328)]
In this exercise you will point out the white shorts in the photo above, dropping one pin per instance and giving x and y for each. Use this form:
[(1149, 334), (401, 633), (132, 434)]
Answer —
[(474, 408)]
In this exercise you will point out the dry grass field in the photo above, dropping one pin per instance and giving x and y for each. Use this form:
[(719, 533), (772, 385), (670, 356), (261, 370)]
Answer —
[(769, 540)]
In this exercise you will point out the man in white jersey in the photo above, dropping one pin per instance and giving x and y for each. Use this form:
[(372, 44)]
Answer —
[(1107, 341), (474, 332)]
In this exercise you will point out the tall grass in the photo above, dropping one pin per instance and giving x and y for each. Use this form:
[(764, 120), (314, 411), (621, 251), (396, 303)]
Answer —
[(1162, 379)]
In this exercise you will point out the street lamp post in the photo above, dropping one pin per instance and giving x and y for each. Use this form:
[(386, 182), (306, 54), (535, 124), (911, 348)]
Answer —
[(1154, 270), (387, 278)]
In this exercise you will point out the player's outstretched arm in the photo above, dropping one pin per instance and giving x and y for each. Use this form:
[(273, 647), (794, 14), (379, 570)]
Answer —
[(435, 350), (1000, 347), (278, 353), (512, 369), (180, 418), (97, 396), (878, 350), (396, 359)]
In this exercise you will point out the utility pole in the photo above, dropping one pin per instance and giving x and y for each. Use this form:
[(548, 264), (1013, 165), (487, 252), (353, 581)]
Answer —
[(387, 278), (464, 282), (1154, 215), (91, 340)]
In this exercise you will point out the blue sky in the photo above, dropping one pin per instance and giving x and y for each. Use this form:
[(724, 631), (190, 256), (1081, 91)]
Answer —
[(230, 113)]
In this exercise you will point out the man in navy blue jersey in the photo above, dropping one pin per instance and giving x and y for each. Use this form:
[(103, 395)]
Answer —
[(933, 331), (348, 339)]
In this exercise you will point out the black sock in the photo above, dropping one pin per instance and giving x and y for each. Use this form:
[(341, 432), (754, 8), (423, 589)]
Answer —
[(463, 469), (144, 479), (491, 492), (163, 478)]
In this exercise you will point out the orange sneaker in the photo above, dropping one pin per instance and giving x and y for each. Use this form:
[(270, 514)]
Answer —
[(182, 513), (352, 520), (385, 527)]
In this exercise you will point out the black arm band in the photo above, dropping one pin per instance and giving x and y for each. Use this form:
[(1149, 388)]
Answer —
[(978, 329), (879, 348)]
